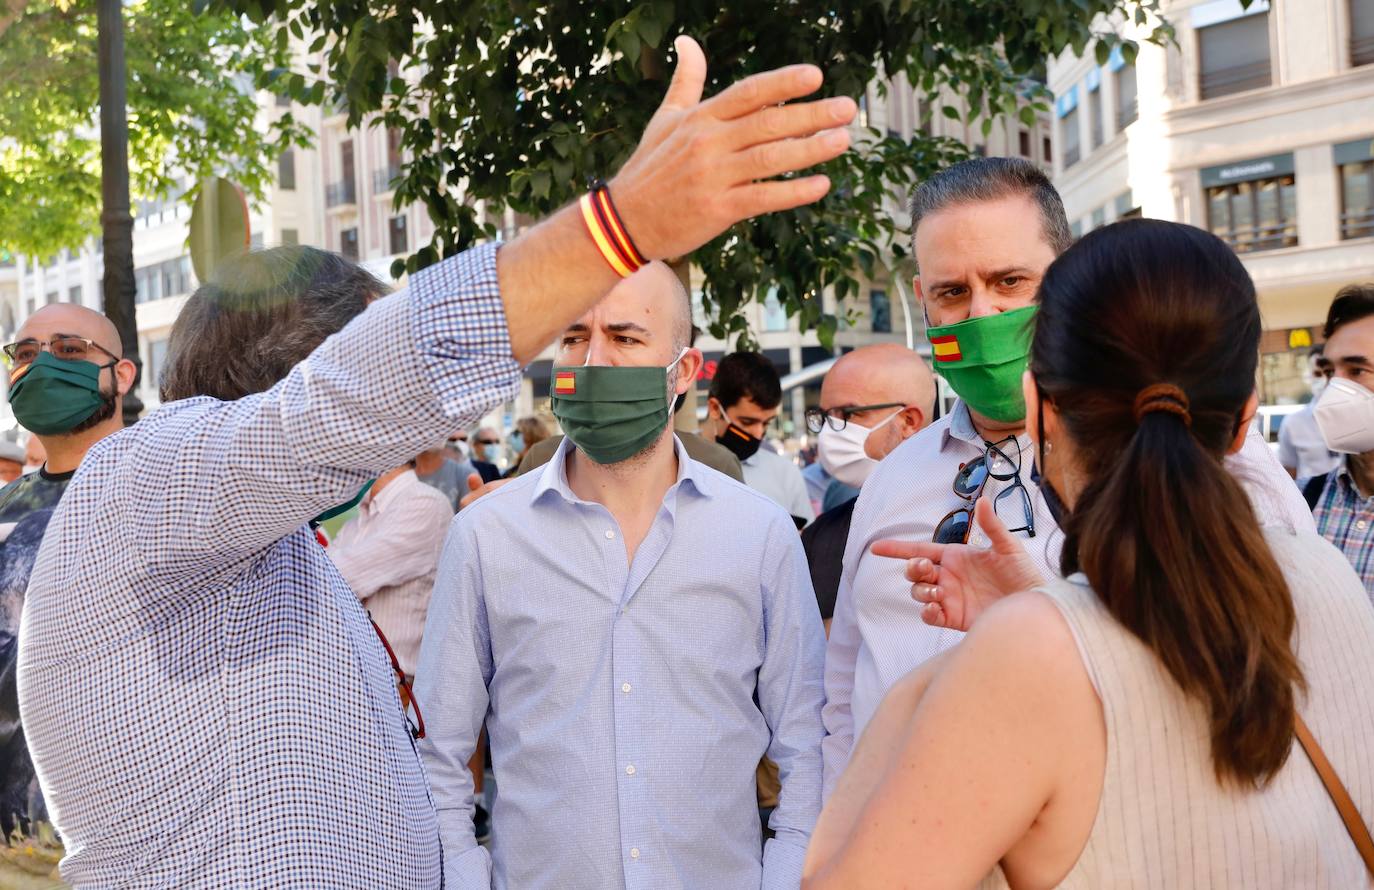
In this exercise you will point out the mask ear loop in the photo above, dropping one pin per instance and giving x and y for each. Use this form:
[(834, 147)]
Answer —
[(672, 396)]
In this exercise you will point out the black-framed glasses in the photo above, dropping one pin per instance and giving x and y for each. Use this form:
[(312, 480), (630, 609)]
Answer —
[(1001, 461), (838, 418), (406, 691), (61, 346)]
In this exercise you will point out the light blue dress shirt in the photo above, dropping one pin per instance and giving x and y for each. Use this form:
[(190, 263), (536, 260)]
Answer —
[(627, 704)]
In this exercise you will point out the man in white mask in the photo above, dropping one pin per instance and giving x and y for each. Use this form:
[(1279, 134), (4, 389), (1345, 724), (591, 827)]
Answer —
[(1302, 450), (872, 400), (1343, 500)]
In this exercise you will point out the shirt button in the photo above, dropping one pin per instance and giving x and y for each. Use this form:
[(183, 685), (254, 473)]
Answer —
[(610, 535), (625, 687), (630, 770), (634, 852)]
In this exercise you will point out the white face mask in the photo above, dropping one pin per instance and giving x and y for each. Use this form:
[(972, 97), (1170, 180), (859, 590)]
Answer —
[(1345, 415), (459, 447), (842, 453)]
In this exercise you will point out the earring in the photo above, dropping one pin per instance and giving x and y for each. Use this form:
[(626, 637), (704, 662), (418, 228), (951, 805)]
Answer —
[(1049, 447)]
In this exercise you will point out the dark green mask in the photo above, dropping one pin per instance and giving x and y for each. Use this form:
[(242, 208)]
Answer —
[(51, 396), (612, 413)]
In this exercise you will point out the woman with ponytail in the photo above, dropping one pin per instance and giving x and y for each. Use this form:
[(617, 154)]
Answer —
[(1131, 724)]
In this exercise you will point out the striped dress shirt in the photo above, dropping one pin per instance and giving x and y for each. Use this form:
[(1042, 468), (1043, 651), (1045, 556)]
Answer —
[(388, 554), (205, 700), (877, 635), (627, 703)]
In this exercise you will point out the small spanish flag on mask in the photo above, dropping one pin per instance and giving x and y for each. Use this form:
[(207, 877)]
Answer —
[(565, 383), (946, 348)]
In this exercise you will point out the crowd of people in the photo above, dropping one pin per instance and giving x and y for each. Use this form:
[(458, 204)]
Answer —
[(1084, 630)]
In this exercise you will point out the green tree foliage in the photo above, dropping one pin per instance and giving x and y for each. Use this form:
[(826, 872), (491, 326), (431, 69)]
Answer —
[(517, 103), (191, 110)]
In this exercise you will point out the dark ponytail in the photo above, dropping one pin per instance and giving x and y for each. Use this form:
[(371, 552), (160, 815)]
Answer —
[(1164, 533)]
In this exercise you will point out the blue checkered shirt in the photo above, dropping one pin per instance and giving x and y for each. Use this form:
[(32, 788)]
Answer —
[(627, 704), (1346, 518), (204, 698)]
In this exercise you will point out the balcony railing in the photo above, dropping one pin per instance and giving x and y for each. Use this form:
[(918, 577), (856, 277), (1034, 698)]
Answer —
[(382, 179), (1126, 115), (1071, 156), (1357, 223), (337, 194)]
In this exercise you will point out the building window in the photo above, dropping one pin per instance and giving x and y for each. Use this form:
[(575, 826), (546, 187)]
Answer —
[(290, 237), (345, 191), (1126, 207), (1094, 119), (1357, 199), (1099, 217), (1126, 109), (157, 361), (1023, 143), (774, 313), (51, 298), (286, 170), (1076, 229), (1234, 56), (165, 279), (348, 244), (74, 295), (1258, 215), (1362, 32), (880, 310), (1045, 150), (398, 234), (863, 109), (1068, 137)]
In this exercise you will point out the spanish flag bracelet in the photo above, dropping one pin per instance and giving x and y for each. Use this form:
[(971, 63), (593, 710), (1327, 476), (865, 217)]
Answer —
[(606, 229)]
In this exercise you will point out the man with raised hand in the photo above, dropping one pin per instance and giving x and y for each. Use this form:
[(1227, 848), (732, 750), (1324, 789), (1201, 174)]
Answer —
[(205, 700)]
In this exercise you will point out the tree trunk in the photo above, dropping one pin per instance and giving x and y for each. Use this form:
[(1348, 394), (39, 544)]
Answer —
[(116, 221)]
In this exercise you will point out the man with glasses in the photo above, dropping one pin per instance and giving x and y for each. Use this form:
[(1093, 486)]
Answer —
[(983, 232), (67, 380), (745, 397), (872, 400)]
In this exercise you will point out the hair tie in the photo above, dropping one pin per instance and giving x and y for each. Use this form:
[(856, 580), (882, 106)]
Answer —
[(1163, 397)]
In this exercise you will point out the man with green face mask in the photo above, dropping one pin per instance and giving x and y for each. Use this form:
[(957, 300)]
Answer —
[(984, 232), (66, 383), (642, 632)]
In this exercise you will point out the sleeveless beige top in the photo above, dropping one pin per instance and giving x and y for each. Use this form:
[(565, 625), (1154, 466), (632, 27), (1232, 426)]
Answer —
[(1163, 821)]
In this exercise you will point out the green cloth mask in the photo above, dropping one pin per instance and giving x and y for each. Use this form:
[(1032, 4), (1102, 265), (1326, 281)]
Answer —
[(51, 396), (983, 359), (612, 413)]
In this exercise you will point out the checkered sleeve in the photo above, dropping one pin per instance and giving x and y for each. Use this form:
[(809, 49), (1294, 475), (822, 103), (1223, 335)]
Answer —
[(218, 481)]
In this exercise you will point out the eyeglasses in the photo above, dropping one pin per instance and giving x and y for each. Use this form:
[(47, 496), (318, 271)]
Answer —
[(488, 441), (62, 346), (838, 418), (407, 693), (997, 462)]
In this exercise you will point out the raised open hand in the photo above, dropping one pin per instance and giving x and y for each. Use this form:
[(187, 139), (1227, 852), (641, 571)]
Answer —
[(701, 167), (956, 582)]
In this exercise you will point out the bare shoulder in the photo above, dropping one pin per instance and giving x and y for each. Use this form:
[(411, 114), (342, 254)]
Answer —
[(1023, 630)]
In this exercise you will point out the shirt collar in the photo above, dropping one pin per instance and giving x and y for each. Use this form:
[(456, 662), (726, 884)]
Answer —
[(554, 475), (960, 427)]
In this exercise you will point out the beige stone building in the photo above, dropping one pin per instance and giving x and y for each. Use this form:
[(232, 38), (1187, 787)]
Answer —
[(1259, 126)]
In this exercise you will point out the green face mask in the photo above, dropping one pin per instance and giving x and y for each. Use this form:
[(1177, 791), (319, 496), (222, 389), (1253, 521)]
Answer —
[(612, 413), (51, 396), (983, 359)]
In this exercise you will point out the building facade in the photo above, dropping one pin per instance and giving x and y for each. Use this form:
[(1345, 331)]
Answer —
[(1258, 125)]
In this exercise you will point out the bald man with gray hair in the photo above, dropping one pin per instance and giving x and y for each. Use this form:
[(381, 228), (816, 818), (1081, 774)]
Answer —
[(872, 400), (67, 378)]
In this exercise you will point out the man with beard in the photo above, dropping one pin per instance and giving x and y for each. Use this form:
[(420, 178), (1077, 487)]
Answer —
[(629, 685), (67, 378)]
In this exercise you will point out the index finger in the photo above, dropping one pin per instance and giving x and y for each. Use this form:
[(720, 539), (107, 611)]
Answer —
[(908, 550), (760, 90)]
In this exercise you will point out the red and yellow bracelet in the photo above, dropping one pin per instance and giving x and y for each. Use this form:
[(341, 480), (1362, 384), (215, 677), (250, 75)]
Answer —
[(608, 231)]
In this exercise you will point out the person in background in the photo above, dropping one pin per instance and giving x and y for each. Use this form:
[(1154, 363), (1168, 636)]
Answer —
[(528, 432), (1342, 499), (487, 450), (628, 712), (1302, 451), (448, 470), (983, 233), (717, 457), (872, 400), (389, 552), (11, 460), (34, 455), (745, 397), (67, 382), (1148, 717)]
